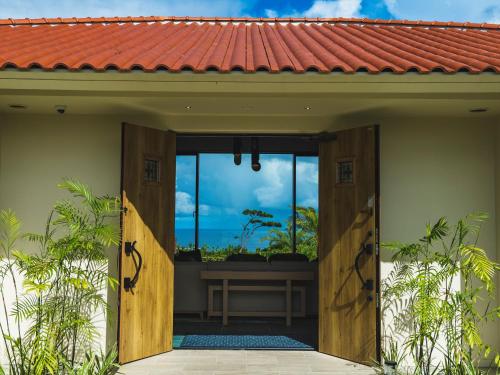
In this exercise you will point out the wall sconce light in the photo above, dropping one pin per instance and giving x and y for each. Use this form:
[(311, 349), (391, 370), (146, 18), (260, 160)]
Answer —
[(255, 154), (237, 150)]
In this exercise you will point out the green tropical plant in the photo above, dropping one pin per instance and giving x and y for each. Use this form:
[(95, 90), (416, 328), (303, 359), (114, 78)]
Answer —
[(306, 234), (426, 307), (281, 240), (256, 219), (61, 295)]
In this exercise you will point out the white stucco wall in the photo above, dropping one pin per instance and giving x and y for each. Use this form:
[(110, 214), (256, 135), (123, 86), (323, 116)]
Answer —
[(37, 151), (438, 167), (430, 167)]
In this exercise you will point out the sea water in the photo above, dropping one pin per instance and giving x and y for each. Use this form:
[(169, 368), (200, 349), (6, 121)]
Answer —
[(220, 238)]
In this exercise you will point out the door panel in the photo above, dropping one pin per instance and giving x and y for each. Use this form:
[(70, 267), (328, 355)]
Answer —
[(347, 222), (148, 193)]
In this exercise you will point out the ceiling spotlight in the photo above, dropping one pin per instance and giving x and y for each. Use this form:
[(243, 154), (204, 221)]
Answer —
[(255, 154), (188, 107), (17, 106), (60, 108), (478, 110), (237, 150), (307, 108)]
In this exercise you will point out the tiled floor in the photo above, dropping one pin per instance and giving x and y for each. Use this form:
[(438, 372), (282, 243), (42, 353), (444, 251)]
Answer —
[(243, 362)]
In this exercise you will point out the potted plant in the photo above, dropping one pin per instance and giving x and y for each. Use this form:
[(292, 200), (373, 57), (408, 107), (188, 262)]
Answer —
[(390, 355)]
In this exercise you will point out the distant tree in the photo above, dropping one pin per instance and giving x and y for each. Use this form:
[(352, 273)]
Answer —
[(306, 234), (256, 219), (307, 231), (280, 239)]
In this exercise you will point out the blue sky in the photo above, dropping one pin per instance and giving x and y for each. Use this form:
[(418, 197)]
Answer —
[(226, 190), (443, 10)]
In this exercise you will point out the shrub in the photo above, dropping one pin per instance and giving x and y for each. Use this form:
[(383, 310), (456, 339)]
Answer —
[(62, 291), (430, 315)]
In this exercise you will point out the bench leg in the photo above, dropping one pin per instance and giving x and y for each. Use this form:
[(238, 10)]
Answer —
[(210, 311), (225, 295), (289, 303)]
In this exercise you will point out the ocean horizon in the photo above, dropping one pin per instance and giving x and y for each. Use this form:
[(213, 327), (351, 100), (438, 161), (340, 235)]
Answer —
[(220, 238)]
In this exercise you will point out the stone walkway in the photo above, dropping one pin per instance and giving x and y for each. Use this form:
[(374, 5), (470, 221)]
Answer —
[(243, 362)]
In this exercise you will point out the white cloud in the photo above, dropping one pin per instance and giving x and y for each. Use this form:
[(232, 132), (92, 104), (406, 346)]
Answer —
[(307, 172), (446, 10), (309, 202), (275, 179), (324, 8), (183, 203), (271, 13), (93, 8), (307, 184), (338, 8), (205, 210)]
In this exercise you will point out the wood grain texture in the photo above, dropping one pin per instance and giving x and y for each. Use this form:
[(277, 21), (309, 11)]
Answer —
[(347, 320), (146, 312)]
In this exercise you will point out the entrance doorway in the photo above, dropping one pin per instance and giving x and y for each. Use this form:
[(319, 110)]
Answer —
[(246, 204), (343, 277)]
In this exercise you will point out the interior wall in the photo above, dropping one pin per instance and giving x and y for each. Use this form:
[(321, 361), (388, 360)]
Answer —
[(438, 167), (37, 151)]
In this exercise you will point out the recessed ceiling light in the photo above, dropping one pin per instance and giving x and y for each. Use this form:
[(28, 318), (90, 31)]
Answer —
[(188, 107), (17, 106), (307, 108), (478, 110)]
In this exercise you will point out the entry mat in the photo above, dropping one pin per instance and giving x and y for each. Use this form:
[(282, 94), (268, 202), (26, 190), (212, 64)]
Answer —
[(238, 342)]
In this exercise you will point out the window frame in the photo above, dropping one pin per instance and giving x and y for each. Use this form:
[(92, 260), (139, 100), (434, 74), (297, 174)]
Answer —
[(213, 144)]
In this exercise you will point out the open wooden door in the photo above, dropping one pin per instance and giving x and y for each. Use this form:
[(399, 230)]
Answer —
[(146, 259), (348, 248)]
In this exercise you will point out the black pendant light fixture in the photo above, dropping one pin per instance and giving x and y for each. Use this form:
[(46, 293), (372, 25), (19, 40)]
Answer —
[(237, 150), (255, 154)]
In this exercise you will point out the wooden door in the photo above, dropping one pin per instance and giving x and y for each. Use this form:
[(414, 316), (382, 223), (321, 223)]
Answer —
[(146, 259), (348, 236)]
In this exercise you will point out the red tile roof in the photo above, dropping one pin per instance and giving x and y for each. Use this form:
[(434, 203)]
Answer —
[(248, 44)]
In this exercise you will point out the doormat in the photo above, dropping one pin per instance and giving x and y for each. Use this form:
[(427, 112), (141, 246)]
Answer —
[(238, 342)]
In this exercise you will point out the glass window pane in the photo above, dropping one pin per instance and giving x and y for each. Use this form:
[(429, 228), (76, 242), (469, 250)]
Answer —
[(185, 196), (230, 196), (307, 206)]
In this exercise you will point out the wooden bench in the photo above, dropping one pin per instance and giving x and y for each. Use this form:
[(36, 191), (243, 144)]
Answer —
[(286, 276)]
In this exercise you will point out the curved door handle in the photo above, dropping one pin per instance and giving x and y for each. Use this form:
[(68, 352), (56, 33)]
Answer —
[(368, 284), (130, 250)]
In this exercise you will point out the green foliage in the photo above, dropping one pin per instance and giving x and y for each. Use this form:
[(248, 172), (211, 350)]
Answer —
[(279, 241), (307, 232), (420, 296), (306, 235), (96, 364), (209, 254), (256, 219), (62, 289)]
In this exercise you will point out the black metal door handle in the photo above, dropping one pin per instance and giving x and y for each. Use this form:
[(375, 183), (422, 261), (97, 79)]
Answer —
[(130, 250), (366, 248)]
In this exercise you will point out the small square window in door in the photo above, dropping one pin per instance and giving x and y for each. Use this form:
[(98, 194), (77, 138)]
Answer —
[(151, 170), (345, 172)]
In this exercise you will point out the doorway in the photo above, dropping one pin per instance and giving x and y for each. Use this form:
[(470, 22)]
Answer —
[(249, 207), (346, 269)]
